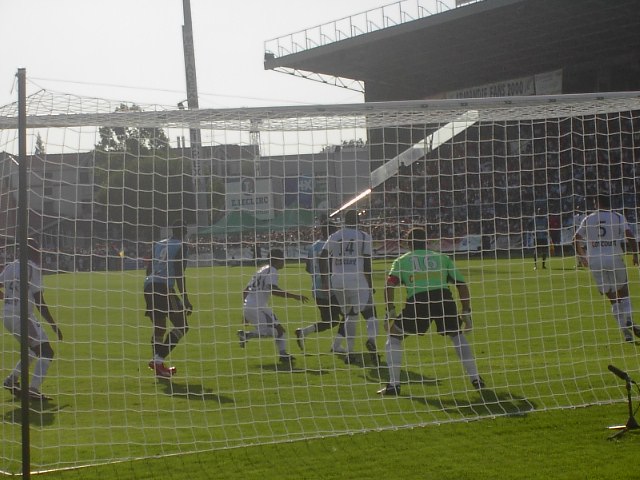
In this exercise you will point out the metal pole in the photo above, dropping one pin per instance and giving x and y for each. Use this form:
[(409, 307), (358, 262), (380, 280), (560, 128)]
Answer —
[(23, 213), (195, 138)]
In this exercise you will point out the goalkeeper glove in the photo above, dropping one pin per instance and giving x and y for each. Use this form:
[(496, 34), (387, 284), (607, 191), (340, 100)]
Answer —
[(466, 323)]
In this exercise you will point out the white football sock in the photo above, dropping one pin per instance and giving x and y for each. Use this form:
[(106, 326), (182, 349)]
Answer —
[(39, 372), (337, 343), (350, 326), (463, 350), (627, 309), (393, 348), (281, 344), (17, 370), (310, 329), (617, 308), (372, 328)]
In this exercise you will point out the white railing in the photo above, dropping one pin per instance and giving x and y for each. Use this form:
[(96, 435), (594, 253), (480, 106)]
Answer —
[(359, 24)]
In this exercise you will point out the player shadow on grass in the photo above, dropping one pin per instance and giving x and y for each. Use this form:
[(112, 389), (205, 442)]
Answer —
[(381, 375), (41, 414), (489, 403), (191, 391), (295, 367)]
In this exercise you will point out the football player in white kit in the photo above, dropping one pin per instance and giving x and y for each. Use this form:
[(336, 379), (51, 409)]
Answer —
[(348, 275), (256, 310), (40, 348), (600, 244)]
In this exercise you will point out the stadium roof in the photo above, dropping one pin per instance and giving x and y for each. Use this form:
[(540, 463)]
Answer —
[(474, 44)]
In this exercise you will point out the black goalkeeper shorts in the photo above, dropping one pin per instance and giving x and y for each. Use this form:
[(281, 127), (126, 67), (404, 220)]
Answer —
[(423, 308)]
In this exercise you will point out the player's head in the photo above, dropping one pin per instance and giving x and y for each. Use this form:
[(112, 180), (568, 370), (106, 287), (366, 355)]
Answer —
[(276, 256), (33, 249), (418, 238), (325, 228), (322, 227), (322, 230), (351, 218), (178, 229), (604, 200)]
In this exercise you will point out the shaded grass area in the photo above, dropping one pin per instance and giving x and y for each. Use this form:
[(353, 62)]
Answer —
[(567, 444)]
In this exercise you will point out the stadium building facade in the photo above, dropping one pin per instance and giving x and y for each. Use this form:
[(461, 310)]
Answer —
[(477, 49), (482, 48)]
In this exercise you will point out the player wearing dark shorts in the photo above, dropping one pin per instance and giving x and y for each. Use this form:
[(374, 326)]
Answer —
[(165, 272), (435, 306), (542, 238), (426, 275)]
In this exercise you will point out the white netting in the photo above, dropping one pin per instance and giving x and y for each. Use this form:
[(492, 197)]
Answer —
[(107, 178)]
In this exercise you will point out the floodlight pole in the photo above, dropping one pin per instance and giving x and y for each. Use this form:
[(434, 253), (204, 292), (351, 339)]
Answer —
[(23, 213), (195, 139)]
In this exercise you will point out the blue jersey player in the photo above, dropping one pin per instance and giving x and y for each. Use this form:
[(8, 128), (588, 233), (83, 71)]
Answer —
[(330, 311), (164, 274)]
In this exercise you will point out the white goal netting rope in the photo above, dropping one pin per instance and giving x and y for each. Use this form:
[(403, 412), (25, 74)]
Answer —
[(107, 179)]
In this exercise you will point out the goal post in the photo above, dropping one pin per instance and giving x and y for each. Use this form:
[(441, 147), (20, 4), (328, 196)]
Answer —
[(106, 180)]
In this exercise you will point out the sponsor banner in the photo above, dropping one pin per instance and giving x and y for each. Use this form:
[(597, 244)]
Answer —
[(298, 192), (253, 195), (548, 83), (305, 192)]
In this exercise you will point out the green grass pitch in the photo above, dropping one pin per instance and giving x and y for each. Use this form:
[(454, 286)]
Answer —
[(542, 339)]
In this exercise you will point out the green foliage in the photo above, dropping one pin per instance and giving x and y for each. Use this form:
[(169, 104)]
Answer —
[(217, 188), (39, 148), (138, 183), (134, 140)]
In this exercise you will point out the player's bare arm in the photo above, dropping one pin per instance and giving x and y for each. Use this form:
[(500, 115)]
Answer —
[(278, 292), (367, 271), (580, 251), (465, 297), (325, 270), (43, 308), (389, 294), (389, 301), (181, 283), (632, 245)]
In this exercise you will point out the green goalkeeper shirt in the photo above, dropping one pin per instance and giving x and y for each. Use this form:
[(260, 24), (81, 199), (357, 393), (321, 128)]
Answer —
[(423, 270)]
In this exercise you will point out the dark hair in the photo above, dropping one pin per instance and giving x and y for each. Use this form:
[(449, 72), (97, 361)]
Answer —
[(324, 229), (33, 245), (351, 217), (418, 238), (178, 228), (276, 254), (604, 200), (33, 248)]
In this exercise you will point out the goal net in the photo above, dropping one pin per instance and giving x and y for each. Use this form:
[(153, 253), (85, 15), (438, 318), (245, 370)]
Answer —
[(106, 180)]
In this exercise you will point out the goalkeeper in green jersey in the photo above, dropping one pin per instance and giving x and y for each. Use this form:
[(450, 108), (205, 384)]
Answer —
[(426, 275)]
